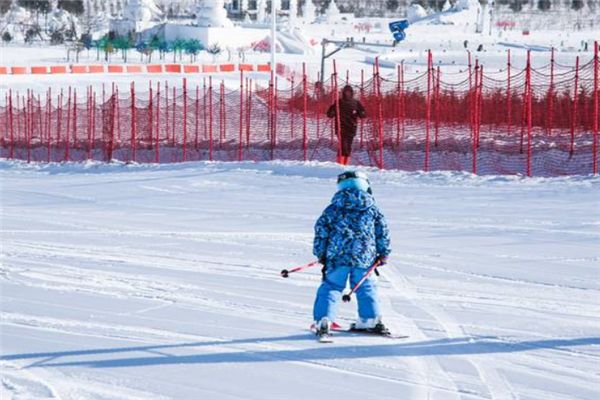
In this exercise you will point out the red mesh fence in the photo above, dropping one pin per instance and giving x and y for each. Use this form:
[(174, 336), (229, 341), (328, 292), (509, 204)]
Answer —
[(535, 122)]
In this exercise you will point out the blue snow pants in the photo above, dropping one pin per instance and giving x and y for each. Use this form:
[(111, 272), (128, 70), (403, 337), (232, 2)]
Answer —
[(329, 293)]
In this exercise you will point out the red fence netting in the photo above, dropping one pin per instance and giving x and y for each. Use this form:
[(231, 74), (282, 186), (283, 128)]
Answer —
[(535, 122)]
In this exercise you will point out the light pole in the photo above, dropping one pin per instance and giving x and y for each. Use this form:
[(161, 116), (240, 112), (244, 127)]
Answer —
[(273, 30)]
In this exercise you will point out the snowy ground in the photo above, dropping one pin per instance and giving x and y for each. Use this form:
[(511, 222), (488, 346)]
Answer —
[(143, 282)]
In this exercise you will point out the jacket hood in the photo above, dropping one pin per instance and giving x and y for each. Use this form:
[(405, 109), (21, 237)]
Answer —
[(353, 199)]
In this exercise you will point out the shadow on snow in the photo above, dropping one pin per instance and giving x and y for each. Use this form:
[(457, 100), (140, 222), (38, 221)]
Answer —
[(440, 347)]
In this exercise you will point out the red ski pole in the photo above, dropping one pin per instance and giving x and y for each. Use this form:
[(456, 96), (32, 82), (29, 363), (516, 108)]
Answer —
[(347, 297), (285, 273)]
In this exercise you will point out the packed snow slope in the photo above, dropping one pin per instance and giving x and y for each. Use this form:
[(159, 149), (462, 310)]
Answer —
[(154, 282)]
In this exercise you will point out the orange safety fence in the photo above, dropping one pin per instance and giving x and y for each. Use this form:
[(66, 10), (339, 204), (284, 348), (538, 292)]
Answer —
[(115, 69), (191, 69), (18, 70), (227, 67), (39, 70), (96, 69), (58, 69), (125, 68), (209, 68), (173, 68), (79, 69)]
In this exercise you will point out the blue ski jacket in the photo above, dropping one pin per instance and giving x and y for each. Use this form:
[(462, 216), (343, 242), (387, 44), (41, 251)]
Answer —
[(351, 232)]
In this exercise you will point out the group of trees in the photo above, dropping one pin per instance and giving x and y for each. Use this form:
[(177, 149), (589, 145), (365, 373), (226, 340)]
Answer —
[(110, 44), (375, 7), (44, 6), (33, 29)]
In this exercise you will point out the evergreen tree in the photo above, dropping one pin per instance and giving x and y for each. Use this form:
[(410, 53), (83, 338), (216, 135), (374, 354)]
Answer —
[(6, 37), (73, 6), (577, 5), (544, 5)]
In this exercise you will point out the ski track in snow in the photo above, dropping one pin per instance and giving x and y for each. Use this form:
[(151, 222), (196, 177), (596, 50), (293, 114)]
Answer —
[(111, 292)]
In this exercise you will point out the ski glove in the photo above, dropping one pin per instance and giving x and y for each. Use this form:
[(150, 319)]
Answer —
[(381, 260), (323, 262)]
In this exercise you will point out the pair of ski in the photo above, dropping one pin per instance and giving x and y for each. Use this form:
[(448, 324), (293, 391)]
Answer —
[(336, 328)]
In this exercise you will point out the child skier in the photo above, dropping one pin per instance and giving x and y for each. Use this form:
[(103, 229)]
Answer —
[(350, 236)]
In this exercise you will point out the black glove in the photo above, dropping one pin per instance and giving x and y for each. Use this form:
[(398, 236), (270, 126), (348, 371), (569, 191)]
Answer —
[(323, 262), (381, 260)]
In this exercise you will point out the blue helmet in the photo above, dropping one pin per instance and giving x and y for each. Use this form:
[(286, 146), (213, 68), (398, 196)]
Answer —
[(354, 180)]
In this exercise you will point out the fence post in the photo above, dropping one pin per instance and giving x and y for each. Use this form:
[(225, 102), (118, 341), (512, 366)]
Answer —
[(41, 118), (275, 100), (133, 121), (157, 150), (184, 119), (270, 113), (151, 114), (248, 110), (210, 119), (474, 105), (221, 114), (204, 110), (74, 118), (49, 122), (118, 115), (12, 126), (167, 112), (291, 107), (89, 121), (174, 119), (550, 119), (595, 113), (304, 113), (397, 103), (241, 138), (362, 93), (58, 119), (94, 121), (508, 94), (574, 113), (336, 99), (529, 119), (437, 106), (67, 145), (196, 117), (524, 113), (113, 105), (379, 112), (20, 115), (428, 108), (480, 104), (28, 124)]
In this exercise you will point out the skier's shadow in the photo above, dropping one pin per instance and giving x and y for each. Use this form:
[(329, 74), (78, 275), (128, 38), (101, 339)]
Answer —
[(440, 347)]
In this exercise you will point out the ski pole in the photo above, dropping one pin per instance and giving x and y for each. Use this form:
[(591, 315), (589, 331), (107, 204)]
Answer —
[(285, 273), (347, 297)]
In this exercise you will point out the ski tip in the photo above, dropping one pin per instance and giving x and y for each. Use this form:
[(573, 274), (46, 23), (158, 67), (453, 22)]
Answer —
[(334, 327), (325, 339)]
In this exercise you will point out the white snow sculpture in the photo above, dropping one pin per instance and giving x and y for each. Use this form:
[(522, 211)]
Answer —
[(332, 13), (309, 12), (261, 11), (212, 13), (293, 11), (142, 11), (415, 12), (467, 5)]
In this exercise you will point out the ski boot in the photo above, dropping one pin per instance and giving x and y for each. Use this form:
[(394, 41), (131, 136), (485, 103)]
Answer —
[(323, 330)]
